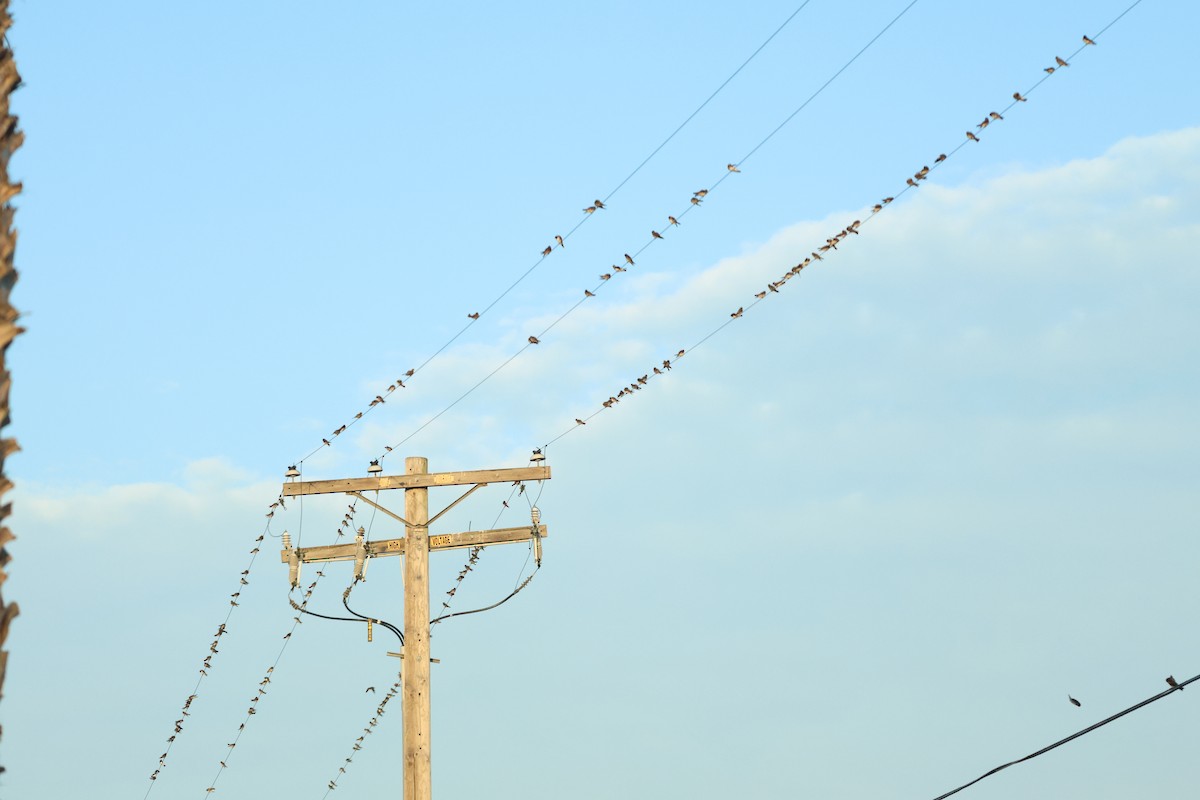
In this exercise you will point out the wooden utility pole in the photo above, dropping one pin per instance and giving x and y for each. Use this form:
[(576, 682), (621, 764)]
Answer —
[(415, 547)]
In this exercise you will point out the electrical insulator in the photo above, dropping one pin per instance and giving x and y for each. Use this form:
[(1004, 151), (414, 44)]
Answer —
[(287, 541), (536, 513), (537, 551), (374, 468), (537, 456), (293, 569), (370, 629), (360, 555), (292, 472)]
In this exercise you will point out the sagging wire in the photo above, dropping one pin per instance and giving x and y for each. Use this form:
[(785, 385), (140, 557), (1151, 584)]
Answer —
[(367, 730), (1175, 686), (518, 489), (261, 692), (630, 259), (842, 236), (206, 664), (588, 212)]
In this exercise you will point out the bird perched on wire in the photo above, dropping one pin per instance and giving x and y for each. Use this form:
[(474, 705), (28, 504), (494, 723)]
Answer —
[(672, 220), (629, 259), (656, 234), (547, 251), (1174, 684), (597, 204), (590, 210), (559, 240), (578, 421), (1061, 62), (1086, 40), (534, 340), (473, 316), (1019, 97), (972, 137), (737, 313), (732, 168)]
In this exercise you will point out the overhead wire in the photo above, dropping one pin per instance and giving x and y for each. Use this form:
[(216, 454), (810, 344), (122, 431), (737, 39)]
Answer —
[(655, 236), (234, 603), (1175, 687), (252, 709), (367, 730), (831, 243), (474, 317)]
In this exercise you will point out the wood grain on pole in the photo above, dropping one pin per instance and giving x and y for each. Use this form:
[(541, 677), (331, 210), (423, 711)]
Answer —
[(418, 783)]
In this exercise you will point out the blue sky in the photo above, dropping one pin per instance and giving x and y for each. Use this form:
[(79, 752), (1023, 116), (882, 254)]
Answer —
[(861, 543)]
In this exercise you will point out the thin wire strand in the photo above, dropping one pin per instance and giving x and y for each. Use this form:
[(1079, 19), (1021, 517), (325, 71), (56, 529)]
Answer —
[(1075, 735), (632, 257), (706, 102), (774, 287), (475, 316)]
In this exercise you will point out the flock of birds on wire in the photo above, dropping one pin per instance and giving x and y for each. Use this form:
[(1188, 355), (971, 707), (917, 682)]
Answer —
[(635, 386)]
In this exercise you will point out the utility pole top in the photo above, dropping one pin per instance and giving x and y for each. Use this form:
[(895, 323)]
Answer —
[(414, 547), (416, 480)]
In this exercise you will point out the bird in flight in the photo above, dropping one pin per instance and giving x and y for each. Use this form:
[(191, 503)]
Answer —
[(1074, 702), (369, 689)]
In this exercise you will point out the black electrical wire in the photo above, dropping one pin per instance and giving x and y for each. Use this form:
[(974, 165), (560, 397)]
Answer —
[(1176, 688), (493, 605), (356, 618), (388, 625)]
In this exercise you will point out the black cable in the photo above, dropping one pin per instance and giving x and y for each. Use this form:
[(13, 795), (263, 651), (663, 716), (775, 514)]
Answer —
[(493, 605), (1177, 688), (356, 618), (388, 625)]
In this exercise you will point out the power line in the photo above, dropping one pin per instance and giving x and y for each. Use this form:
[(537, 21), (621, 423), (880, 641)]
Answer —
[(1178, 687), (630, 258), (840, 237), (382, 397)]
